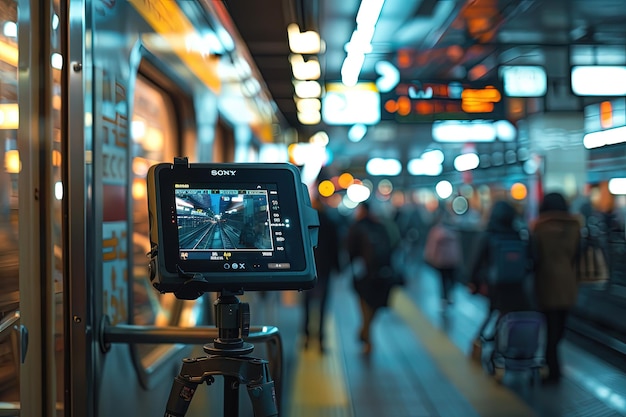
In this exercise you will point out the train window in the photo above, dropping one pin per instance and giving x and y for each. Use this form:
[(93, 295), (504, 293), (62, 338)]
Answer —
[(9, 256), (155, 138), (223, 143)]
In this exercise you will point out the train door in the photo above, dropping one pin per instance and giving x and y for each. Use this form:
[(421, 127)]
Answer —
[(32, 283), (9, 195)]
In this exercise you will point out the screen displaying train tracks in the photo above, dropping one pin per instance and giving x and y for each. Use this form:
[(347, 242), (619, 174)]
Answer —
[(216, 220)]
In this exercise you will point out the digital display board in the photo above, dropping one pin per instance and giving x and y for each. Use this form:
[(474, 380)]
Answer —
[(428, 101)]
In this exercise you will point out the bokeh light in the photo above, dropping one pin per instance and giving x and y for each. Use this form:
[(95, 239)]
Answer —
[(518, 191), (326, 188)]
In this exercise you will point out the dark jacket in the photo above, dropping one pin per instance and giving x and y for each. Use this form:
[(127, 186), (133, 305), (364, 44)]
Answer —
[(369, 246), (556, 241), (327, 250), (502, 297)]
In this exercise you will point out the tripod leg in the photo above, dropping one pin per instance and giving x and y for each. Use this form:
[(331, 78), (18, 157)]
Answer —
[(231, 396), (263, 398), (180, 397)]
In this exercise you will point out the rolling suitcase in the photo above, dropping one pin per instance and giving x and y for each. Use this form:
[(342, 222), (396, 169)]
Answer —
[(518, 344)]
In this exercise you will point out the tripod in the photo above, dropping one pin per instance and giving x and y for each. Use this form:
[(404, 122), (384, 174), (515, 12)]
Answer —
[(226, 356)]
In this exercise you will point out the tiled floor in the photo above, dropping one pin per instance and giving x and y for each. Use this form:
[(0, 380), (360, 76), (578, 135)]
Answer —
[(419, 365)]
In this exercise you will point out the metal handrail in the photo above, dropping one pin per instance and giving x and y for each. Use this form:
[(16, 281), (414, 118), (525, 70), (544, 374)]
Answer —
[(131, 333), (7, 323)]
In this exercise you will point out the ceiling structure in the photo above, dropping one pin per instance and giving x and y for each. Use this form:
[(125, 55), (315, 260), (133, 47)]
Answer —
[(441, 40)]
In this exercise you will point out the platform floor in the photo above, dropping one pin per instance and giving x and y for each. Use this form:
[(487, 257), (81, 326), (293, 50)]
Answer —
[(420, 365)]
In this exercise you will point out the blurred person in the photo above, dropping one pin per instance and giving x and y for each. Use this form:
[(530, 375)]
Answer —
[(370, 250), (555, 239), (489, 263), (443, 252), (326, 264)]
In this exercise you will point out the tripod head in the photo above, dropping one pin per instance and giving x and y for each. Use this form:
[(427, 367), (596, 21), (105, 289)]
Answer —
[(233, 324)]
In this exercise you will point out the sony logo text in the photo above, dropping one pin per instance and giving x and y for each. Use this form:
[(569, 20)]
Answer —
[(222, 172)]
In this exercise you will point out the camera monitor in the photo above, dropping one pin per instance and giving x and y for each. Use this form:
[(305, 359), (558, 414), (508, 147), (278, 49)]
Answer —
[(230, 227)]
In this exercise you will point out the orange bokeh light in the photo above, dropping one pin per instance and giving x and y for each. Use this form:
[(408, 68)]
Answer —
[(345, 180), (518, 191)]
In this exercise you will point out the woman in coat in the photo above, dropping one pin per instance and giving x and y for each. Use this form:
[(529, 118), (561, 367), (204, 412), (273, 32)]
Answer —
[(555, 240)]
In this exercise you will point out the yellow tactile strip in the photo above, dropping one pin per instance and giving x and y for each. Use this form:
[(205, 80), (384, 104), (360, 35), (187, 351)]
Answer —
[(488, 398)]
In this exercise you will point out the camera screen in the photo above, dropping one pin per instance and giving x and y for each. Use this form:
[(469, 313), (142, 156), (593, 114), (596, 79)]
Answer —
[(242, 225), (221, 224)]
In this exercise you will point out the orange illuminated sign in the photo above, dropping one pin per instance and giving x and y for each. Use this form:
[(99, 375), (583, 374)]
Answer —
[(606, 115), (480, 100), (416, 102)]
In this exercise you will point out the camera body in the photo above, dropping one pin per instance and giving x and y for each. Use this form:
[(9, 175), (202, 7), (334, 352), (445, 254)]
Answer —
[(230, 227)]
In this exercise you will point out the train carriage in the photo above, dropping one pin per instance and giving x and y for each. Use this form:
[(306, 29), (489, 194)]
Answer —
[(106, 89)]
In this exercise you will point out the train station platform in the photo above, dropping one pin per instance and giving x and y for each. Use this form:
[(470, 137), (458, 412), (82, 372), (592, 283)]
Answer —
[(420, 363)]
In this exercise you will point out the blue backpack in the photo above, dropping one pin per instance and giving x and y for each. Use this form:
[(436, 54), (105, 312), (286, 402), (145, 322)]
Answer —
[(510, 260)]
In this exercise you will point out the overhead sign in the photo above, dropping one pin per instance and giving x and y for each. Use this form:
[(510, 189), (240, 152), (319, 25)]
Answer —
[(599, 80), (425, 101), (524, 81), (343, 105)]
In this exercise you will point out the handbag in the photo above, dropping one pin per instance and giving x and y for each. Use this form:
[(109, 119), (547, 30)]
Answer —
[(591, 266)]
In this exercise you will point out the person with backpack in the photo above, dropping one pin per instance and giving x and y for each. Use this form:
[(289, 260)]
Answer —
[(326, 265), (442, 251), (370, 249), (555, 242), (501, 265)]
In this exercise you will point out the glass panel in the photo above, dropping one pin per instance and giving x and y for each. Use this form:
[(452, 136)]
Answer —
[(55, 250), (9, 282), (154, 140)]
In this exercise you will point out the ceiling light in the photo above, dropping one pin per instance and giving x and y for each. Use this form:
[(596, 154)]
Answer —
[(599, 80), (308, 89), (360, 41), (421, 166), (309, 118), (303, 42), (604, 137), (304, 70), (383, 166), (466, 162), (369, 12), (351, 68), (463, 131), (308, 104)]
